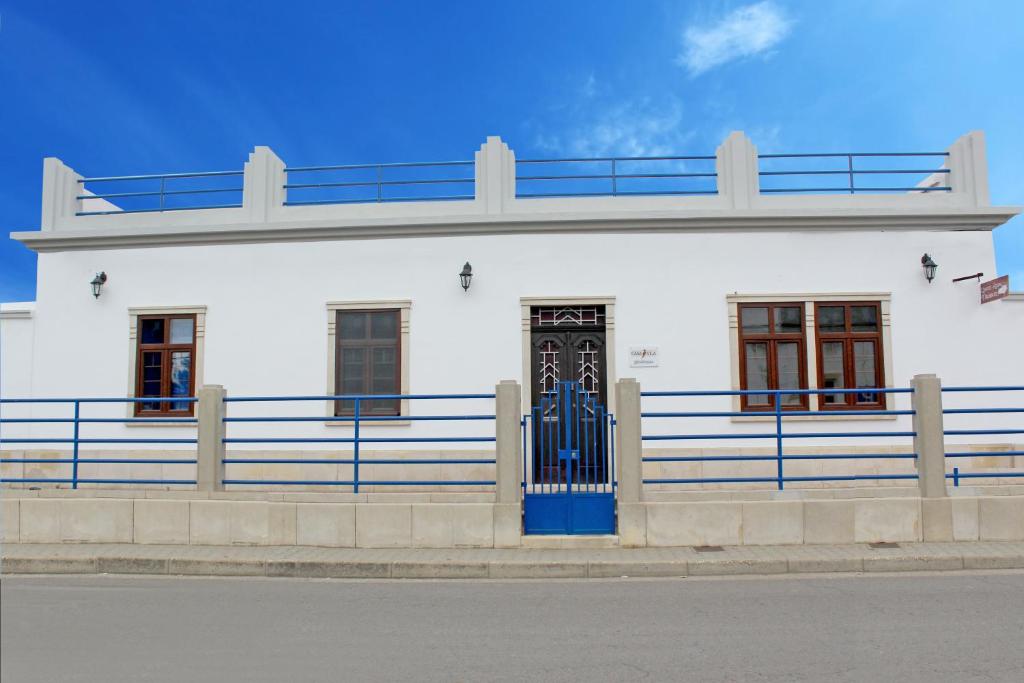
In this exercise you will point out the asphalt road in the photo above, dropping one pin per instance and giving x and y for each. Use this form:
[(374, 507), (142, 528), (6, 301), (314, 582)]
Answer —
[(962, 627)]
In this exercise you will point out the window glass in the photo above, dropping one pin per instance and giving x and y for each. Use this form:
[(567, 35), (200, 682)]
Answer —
[(151, 375), (754, 320), (788, 319), (384, 325), (788, 364), (181, 331), (151, 331), (181, 371), (864, 369), (864, 318), (832, 318), (352, 326), (833, 375), (757, 372)]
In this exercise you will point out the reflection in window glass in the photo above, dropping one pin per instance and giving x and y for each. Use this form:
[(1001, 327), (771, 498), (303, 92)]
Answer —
[(181, 373), (833, 374), (757, 371), (864, 370), (181, 331), (832, 318), (384, 325), (788, 363), (754, 319), (788, 320), (864, 318), (151, 331), (352, 325)]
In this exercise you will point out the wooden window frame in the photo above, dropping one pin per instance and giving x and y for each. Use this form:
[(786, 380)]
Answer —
[(772, 338), (166, 348), (369, 343), (848, 337)]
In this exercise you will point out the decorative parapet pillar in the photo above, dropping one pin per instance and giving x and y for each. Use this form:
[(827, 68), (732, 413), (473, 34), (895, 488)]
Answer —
[(263, 184), (968, 168), (61, 188), (926, 400), (737, 168), (495, 176), (210, 447)]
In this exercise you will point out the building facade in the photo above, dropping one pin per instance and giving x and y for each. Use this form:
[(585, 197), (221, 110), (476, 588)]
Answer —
[(701, 273)]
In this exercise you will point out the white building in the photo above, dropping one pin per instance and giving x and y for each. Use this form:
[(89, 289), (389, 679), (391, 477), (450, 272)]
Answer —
[(729, 273)]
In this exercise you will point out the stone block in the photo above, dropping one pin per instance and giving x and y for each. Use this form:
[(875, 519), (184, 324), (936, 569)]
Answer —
[(10, 520), (209, 522), (96, 520), (937, 519), (632, 524), (773, 523), (508, 525), (161, 521), (879, 520), (694, 524), (1001, 518), (440, 525), (40, 520), (332, 525), (965, 519), (828, 521), (383, 525)]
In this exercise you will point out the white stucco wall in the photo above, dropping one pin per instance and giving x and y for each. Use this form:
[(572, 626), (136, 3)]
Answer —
[(266, 316)]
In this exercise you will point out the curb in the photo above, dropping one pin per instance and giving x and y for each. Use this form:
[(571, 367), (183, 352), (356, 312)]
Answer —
[(347, 569)]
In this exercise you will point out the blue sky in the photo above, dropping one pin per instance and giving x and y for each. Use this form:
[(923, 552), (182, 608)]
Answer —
[(118, 88)]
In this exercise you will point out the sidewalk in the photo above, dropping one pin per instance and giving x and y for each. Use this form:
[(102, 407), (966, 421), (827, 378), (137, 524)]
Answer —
[(475, 563)]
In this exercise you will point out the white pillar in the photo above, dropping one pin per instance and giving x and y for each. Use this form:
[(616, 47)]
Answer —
[(508, 455), (929, 444), (737, 168), (263, 182), (495, 176), (210, 448)]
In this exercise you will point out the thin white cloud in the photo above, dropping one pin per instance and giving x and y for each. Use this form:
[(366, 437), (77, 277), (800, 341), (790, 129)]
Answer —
[(634, 128), (745, 32)]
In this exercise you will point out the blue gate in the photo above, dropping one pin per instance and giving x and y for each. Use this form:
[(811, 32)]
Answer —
[(568, 464)]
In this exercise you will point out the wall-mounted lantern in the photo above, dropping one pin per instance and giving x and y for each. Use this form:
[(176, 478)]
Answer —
[(466, 275), (929, 267), (97, 283)]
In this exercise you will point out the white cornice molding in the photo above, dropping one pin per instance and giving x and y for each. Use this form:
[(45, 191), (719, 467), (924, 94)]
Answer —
[(20, 310), (598, 222)]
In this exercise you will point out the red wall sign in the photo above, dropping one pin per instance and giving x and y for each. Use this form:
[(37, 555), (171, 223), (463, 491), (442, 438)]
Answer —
[(994, 290)]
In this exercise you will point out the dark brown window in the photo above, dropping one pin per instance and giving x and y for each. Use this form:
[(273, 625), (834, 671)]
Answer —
[(772, 354), (165, 361), (849, 353), (367, 361)]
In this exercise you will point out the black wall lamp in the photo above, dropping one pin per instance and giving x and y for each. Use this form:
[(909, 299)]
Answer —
[(465, 276), (97, 283), (929, 267)]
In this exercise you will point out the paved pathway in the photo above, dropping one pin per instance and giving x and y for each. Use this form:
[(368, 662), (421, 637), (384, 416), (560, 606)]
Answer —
[(298, 561)]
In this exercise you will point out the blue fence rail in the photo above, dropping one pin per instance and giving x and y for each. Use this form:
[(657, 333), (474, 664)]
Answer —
[(358, 439), (778, 436), (841, 173), (956, 474), (163, 192), (75, 440), (367, 183), (616, 176)]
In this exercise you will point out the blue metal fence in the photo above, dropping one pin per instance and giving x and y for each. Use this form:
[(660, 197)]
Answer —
[(778, 436), (817, 173), (164, 192), (358, 439), (75, 440), (367, 183), (616, 176), (954, 456)]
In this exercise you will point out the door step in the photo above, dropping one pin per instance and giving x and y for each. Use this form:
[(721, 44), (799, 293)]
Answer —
[(570, 541)]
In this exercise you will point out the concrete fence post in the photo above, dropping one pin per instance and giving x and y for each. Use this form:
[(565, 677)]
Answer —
[(926, 400), (210, 447), (508, 464), (628, 454)]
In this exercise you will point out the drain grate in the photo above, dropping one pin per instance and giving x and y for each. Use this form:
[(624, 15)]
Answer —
[(883, 545), (708, 548)]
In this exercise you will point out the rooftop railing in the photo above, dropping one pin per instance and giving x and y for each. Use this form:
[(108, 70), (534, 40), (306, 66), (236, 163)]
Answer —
[(616, 176), (367, 183), (843, 173), (161, 192)]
